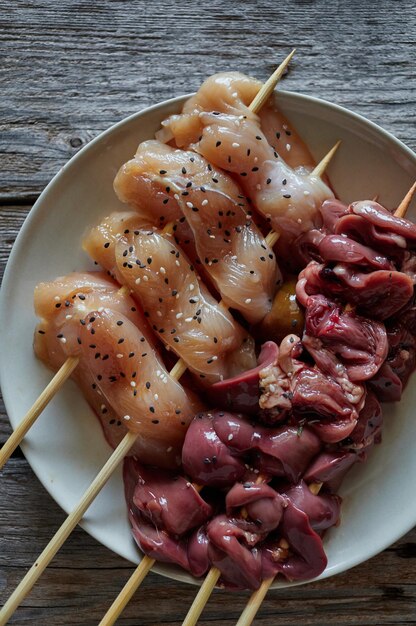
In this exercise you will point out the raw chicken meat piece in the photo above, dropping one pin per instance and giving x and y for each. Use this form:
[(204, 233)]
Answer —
[(66, 307), (176, 303), (232, 93), (234, 252)]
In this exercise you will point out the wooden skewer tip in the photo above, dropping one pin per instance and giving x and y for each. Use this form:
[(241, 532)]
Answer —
[(405, 203), (323, 164), (268, 87)]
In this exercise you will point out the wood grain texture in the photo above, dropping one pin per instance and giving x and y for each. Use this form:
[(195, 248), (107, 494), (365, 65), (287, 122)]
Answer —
[(68, 71)]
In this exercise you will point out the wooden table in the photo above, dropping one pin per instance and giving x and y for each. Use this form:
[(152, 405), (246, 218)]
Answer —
[(70, 70)]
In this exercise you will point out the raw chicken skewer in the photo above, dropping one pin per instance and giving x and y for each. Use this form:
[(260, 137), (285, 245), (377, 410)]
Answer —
[(31, 416), (41, 403), (68, 367), (257, 597), (73, 518)]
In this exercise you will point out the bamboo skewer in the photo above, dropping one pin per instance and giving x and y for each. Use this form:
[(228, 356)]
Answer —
[(405, 203), (41, 403), (268, 87), (128, 591), (45, 397), (319, 170), (75, 517), (202, 597), (67, 527)]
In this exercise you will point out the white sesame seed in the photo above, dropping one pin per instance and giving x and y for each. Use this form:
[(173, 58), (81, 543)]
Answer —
[(212, 236), (256, 159), (189, 205), (156, 396), (176, 196), (214, 358), (234, 94), (299, 220), (177, 263), (119, 355), (235, 145), (138, 281), (230, 437), (159, 313), (258, 187), (68, 317), (62, 339), (247, 300), (191, 287), (102, 407), (169, 449), (179, 315), (127, 418), (288, 147), (162, 270), (204, 202), (133, 383), (165, 380), (188, 319), (57, 298), (145, 278), (306, 193)]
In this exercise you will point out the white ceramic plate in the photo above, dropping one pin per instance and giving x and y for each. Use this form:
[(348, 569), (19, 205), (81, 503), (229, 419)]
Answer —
[(66, 447)]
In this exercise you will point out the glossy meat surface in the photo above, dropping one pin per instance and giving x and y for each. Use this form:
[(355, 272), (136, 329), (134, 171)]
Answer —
[(111, 372), (177, 305), (232, 93), (232, 249)]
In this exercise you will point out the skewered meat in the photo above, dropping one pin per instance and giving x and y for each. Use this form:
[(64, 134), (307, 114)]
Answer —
[(178, 306), (181, 185), (86, 315), (231, 93)]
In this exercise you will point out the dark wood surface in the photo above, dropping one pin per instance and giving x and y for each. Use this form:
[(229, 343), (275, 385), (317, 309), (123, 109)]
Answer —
[(68, 71)]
